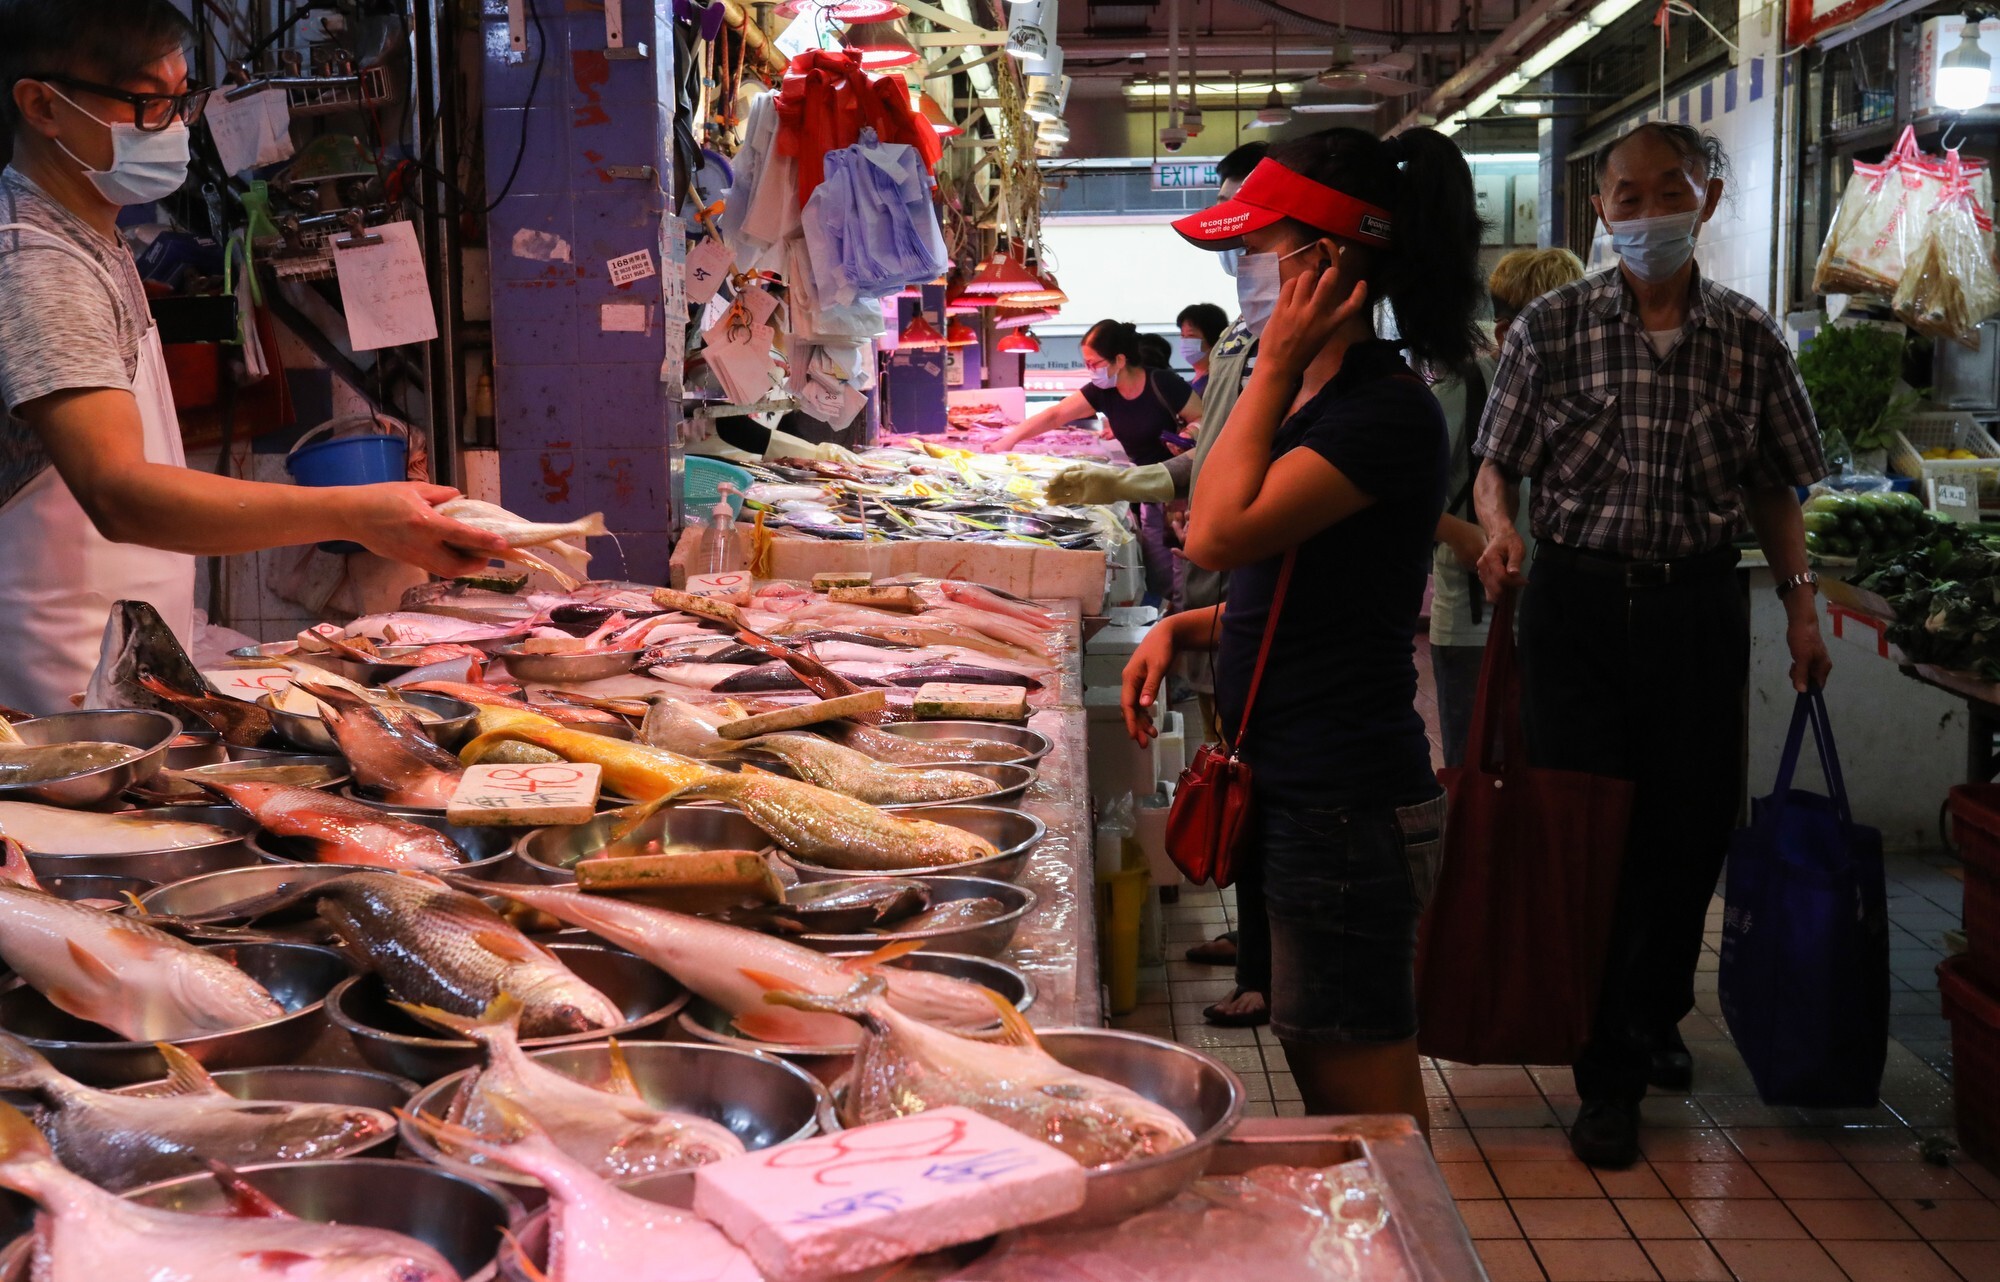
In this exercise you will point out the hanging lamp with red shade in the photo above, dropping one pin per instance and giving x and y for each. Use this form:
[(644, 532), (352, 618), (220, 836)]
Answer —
[(920, 335), (960, 334), (881, 46), (1020, 341)]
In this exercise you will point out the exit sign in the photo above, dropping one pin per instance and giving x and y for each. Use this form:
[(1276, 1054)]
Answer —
[(1185, 175)]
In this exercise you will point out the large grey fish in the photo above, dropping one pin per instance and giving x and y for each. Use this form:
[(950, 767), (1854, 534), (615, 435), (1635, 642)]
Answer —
[(906, 1066), (857, 775), (118, 1140), (834, 831), (39, 763), (119, 972), (613, 1131), (900, 751), (138, 643), (86, 1234)]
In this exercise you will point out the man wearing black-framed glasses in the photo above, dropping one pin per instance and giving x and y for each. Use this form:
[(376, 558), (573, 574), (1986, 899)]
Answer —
[(96, 502)]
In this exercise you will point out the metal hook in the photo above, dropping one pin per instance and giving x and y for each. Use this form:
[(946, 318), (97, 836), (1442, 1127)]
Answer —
[(1944, 139)]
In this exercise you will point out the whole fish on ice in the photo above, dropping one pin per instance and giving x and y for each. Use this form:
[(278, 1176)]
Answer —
[(340, 830)]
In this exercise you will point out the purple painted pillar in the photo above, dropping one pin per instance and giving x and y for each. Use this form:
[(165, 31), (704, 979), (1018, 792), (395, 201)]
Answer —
[(582, 418), (915, 379)]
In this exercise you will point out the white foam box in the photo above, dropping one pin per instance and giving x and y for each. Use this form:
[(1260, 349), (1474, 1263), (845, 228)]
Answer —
[(1041, 574), (1105, 655), (884, 1192), (1117, 765)]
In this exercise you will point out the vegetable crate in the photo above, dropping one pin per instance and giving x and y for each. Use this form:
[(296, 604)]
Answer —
[(1973, 1010), (1975, 822), (1947, 431)]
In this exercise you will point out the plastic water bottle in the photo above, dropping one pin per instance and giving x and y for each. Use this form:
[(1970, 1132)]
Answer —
[(721, 529)]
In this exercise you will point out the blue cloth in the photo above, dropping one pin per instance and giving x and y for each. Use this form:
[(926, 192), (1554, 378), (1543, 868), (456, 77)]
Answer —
[(871, 228)]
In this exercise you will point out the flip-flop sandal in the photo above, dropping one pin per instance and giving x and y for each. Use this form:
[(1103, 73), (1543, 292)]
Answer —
[(1213, 952), (1226, 1019)]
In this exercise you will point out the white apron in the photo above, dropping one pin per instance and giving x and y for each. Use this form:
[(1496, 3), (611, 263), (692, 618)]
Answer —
[(59, 576)]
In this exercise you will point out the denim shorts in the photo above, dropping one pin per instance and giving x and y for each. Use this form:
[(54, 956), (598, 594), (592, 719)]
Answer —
[(1344, 889)]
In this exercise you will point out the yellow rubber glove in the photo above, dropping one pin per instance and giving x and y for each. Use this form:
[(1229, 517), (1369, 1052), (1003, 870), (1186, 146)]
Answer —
[(1095, 483)]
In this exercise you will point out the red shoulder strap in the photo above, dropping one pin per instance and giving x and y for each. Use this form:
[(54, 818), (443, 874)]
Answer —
[(1264, 646)]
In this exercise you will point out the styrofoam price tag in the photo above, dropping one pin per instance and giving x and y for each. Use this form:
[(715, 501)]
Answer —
[(708, 266), (635, 266), (558, 792), (247, 684), (731, 585)]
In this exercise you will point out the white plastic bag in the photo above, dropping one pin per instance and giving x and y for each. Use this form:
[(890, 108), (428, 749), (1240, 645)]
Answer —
[(1880, 222), (1949, 284)]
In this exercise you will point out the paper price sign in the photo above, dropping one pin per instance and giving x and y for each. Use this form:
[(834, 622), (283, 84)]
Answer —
[(557, 792), (708, 266), (731, 585), (635, 266), (248, 684)]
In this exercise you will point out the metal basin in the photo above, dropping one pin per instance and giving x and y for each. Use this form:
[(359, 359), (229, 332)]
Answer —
[(205, 894), (762, 1100), (98, 886), (307, 1084), (396, 1043), (1013, 832), (311, 734), (299, 976), (711, 1023), (194, 747), (1033, 744), (983, 939), (162, 866), (551, 854), (485, 848), (566, 669), (463, 1220), (149, 732), (230, 771)]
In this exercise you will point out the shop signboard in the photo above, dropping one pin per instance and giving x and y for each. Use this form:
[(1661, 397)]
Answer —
[(1940, 37), (1809, 19), (1185, 175)]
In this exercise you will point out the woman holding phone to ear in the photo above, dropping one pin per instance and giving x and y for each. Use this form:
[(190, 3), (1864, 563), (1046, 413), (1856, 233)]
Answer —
[(1321, 499)]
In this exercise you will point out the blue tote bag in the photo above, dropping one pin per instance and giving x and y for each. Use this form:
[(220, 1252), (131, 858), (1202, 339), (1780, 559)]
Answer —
[(1805, 938)]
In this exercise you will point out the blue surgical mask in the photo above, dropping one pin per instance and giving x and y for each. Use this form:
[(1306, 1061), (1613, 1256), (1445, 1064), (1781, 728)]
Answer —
[(1231, 260), (1257, 290), (145, 165), (1655, 248), (1102, 376), (1193, 350)]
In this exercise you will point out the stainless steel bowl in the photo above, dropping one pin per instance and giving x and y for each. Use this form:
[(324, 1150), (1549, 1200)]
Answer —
[(1012, 832), (710, 1023), (149, 732), (486, 849), (1010, 784), (1197, 1089), (205, 894), (299, 976), (312, 734), (1033, 744), (986, 939), (162, 866), (566, 669), (96, 886), (195, 746), (763, 1100), (228, 771), (551, 854), (308, 1084), (396, 1043), (363, 672)]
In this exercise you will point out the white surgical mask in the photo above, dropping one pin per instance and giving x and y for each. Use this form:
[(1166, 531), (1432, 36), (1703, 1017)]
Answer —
[(145, 166), (1257, 290), (1102, 376), (1193, 350), (1231, 260), (1655, 248)]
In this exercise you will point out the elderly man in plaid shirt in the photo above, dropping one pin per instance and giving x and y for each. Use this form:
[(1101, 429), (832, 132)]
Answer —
[(1658, 415)]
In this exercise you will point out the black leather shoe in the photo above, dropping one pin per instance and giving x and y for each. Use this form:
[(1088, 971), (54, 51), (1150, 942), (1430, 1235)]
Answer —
[(1606, 1134), (1672, 1067)]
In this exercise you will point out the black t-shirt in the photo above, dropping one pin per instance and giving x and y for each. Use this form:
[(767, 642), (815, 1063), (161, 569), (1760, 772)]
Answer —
[(1336, 723), (1140, 423)]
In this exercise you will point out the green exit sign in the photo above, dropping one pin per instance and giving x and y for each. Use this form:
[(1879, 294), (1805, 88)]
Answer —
[(1185, 175)]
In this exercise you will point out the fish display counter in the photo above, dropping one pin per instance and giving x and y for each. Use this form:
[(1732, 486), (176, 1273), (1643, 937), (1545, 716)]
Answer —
[(741, 886)]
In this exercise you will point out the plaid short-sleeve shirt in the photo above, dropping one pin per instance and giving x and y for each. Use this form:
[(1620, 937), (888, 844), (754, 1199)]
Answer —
[(1639, 455)]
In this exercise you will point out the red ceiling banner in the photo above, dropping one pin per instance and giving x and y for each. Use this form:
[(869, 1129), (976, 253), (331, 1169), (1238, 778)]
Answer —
[(1809, 19)]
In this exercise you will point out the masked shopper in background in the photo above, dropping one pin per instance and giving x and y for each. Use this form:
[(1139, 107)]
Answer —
[(1229, 361), (1320, 496), (96, 502), (1657, 415)]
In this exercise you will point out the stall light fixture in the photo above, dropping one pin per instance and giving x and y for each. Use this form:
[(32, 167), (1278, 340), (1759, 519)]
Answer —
[(1531, 68), (1525, 107), (1030, 30), (1021, 317), (1045, 293), (960, 334), (1020, 341), (1965, 76), (927, 107), (1272, 114), (858, 12), (1048, 99), (1211, 89), (1001, 274), (920, 335), (881, 46)]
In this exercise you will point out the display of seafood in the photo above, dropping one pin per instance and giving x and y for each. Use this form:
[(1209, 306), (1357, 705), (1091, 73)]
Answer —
[(125, 1139), (391, 754), (615, 1133)]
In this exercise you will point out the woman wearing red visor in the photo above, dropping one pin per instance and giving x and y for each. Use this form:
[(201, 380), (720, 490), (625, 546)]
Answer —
[(1320, 498)]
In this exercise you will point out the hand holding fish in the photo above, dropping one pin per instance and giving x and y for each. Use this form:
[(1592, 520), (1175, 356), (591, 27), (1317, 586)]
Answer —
[(400, 521)]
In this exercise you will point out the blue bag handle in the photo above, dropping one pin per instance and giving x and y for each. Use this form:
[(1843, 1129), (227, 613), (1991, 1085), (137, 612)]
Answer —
[(1811, 710)]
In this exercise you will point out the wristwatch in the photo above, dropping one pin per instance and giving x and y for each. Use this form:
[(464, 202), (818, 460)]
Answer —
[(1806, 580)]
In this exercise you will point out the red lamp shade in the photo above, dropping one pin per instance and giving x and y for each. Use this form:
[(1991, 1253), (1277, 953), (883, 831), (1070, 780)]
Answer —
[(1020, 341), (1044, 293), (1021, 317), (856, 12), (960, 334), (928, 108), (881, 46), (920, 335), (1002, 274)]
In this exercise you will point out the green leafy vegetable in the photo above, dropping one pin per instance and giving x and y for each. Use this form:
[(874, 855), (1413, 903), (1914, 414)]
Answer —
[(1850, 374)]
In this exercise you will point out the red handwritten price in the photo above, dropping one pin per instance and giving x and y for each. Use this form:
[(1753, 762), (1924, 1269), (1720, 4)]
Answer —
[(542, 778)]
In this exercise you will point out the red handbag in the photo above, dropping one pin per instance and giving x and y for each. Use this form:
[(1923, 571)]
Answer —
[(1211, 812)]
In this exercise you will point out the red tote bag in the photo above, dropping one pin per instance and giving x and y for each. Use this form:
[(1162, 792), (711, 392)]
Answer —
[(1511, 951)]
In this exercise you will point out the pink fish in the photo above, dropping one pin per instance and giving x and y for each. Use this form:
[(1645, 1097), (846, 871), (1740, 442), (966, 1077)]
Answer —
[(343, 831)]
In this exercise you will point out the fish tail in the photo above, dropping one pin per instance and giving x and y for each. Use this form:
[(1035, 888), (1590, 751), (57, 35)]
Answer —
[(883, 955), (856, 1002), (16, 868), (503, 1013), (24, 1153), (592, 526), (21, 1069)]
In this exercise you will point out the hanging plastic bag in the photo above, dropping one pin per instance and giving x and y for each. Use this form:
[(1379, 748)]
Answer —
[(1879, 223), (1949, 284)]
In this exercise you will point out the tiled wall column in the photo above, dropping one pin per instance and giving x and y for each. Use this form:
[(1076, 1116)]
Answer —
[(582, 418)]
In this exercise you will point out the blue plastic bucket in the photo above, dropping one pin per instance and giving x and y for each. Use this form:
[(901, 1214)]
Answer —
[(349, 460)]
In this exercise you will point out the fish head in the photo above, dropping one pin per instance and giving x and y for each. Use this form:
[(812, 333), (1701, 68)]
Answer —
[(297, 1132)]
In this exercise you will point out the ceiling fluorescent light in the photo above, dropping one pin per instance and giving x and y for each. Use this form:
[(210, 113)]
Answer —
[(1212, 89)]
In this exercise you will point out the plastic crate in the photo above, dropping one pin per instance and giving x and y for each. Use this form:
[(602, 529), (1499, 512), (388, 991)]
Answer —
[(1975, 814), (1973, 1010), (1950, 431), (701, 482)]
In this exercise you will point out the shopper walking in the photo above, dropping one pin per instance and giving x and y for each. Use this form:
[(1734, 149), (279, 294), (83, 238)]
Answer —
[(1321, 495), (1458, 603), (1201, 326), (1657, 415)]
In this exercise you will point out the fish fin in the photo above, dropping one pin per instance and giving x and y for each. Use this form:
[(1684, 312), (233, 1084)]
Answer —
[(95, 968), (20, 1142), (521, 1260), (21, 1069), (138, 906), (503, 1011), (768, 982), (883, 955), (245, 1199), (749, 769), (622, 1080), (1014, 1027), (185, 1075), (513, 948), (631, 818), (17, 869), (278, 1260), (854, 1002)]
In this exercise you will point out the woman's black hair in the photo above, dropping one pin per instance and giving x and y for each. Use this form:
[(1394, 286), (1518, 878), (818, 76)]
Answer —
[(1155, 352), (1109, 338), (1430, 270), (109, 41), (1208, 320)]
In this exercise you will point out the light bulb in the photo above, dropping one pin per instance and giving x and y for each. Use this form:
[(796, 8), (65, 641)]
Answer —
[(1965, 75)]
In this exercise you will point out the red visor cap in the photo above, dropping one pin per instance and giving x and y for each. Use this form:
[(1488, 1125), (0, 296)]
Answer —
[(1272, 193)]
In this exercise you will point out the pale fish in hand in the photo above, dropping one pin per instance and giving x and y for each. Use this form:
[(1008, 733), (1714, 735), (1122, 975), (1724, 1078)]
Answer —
[(86, 1234), (119, 1140), (906, 1066), (614, 1132), (521, 534)]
